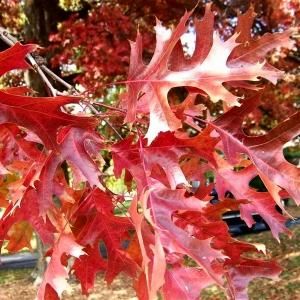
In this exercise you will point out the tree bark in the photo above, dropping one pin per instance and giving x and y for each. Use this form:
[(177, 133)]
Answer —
[(41, 264), (42, 18)]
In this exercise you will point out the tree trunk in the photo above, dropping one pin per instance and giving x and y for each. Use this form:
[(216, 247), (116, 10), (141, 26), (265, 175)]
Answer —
[(42, 18), (41, 264)]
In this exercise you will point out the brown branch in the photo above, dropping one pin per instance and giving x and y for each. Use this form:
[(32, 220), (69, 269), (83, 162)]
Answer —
[(109, 107), (114, 129), (10, 40), (42, 70), (57, 78), (105, 120)]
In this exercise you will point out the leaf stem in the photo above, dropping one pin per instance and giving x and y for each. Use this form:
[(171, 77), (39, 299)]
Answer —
[(202, 122), (114, 129), (57, 78), (109, 107)]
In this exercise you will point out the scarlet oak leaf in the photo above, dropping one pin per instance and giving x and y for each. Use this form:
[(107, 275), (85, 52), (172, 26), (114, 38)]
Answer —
[(166, 152), (14, 57), (141, 160), (207, 69), (258, 202), (238, 269), (102, 225), (187, 108), (87, 266), (185, 283), (43, 116), (264, 151), (56, 273), (162, 203), (172, 218), (203, 144), (78, 147), (145, 286), (19, 90), (247, 270), (251, 49), (140, 286), (73, 148), (28, 210), (17, 148)]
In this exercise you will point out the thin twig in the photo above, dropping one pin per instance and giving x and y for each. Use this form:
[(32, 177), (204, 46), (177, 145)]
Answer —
[(109, 107), (203, 122), (106, 121), (41, 69), (10, 40), (114, 129), (91, 107), (57, 78), (37, 68)]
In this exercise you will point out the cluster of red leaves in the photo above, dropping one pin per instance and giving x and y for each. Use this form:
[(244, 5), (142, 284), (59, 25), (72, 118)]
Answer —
[(101, 53), (173, 241), (285, 11), (97, 46)]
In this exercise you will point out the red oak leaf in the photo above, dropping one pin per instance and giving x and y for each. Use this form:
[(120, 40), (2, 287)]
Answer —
[(247, 270), (101, 225), (14, 57), (264, 151), (209, 67), (74, 146), (87, 266), (185, 283), (43, 116), (27, 210), (56, 273)]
